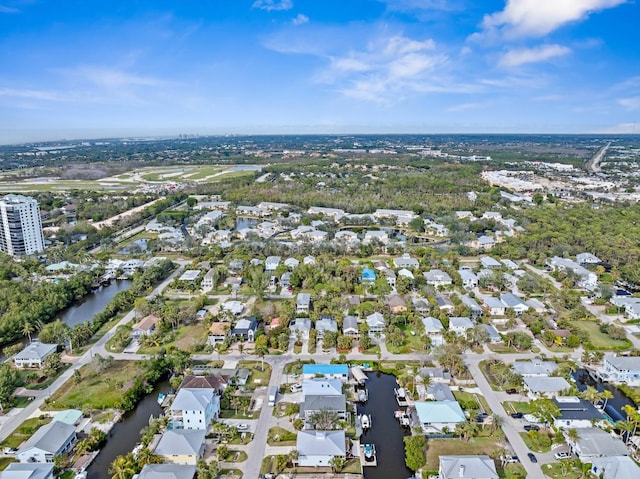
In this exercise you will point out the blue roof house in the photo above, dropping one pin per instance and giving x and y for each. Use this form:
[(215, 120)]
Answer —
[(437, 417), (327, 371), (368, 275)]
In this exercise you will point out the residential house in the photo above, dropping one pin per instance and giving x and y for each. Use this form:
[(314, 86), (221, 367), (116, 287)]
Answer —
[(510, 264), (190, 276), (469, 280), (445, 303), (22, 470), (436, 374), (585, 279), (234, 307), (625, 369), (285, 279), (321, 387), (467, 467), (406, 261), (312, 404), (439, 416), (593, 442), (48, 442), (460, 325), (181, 446), (271, 263), (390, 276), (545, 387), (207, 280), (483, 242), (318, 448), (368, 276), (440, 392), (218, 333), (327, 371), (534, 368), (309, 260), (475, 310), (376, 235), (576, 413), (421, 305), (493, 336), (494, 306), (376, 323), (194, 408), (291, 263), (34, 355), (404, 272), (434, 329), (218, 382), (245, 328), (348, 237), (326, 323), (490, 263), (492, 215), (167, 471), (145, 327), (614, 467), (303, 303), (537, 305), (437, 278), (301, 327), (514, 302), (350, 327), (332, 212), (396, 304), (587, 259)]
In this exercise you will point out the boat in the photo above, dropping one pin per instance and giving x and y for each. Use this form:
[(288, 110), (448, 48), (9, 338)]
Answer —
[(161, 398), (401, 396), (403, 417), (362, 395), (365, 421), (369, 452)]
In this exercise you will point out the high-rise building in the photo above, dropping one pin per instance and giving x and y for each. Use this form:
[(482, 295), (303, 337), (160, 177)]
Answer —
[(20, 226)]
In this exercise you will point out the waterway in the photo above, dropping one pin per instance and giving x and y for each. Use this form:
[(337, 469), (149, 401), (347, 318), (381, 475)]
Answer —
[(126, 434), (614, 405), (386, 433), (93, 303), (243, 222)]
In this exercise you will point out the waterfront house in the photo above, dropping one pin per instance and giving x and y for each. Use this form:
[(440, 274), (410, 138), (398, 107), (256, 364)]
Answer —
[(312, 404), (48, 442), (436, 374), (216, 381), (303, 303), (545, 387), (145, 327), (467, 467), (194, 408), (181, 446), (534, 368), (322, 387), (440, 392), (327, 371), (245, 329), (622, 368), (376, 323), (576, 413), (593, 442), (167, 471), (23, 470), (318, 448), (34, 354), (439, 416), (614, 467), (218, 333)]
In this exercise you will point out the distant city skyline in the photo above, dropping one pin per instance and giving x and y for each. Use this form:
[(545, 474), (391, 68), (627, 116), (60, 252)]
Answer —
[(112, 69)]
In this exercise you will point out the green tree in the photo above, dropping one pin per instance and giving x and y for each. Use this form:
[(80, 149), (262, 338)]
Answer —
[(544, 410), (337, 463), (414, 452), (324, 419)]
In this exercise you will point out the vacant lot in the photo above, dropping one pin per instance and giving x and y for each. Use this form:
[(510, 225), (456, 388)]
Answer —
[(599, 339)]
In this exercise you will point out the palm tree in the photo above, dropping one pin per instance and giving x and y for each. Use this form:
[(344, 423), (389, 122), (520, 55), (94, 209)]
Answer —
[(591, 394), (27, 329), (606, 395), (337, 463), (145, 456), (122, 467), (496, 422), (573, 435), (324, 419)]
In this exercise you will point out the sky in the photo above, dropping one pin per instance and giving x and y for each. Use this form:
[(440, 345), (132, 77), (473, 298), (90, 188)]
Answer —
[(84, 69)]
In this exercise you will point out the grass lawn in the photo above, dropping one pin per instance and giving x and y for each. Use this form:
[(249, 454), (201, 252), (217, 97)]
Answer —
[(464, 397), (41, 383), (296, 367), (96, 391), (204, 171), (5, 461), (502, 349), (454, 447), (514, 471), (522, 407), (236, 456), (533, 445), (598, 338), (554, 471), (278, 436), (184, 338), (24, 431), (258, 377)]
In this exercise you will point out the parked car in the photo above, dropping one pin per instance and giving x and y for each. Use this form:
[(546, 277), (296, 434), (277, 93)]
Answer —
[(532, 457), (562, 455), (531, 427), (511, 459), (242, 427), (512, 391), (517, 415), (295, 388), (10, 450)]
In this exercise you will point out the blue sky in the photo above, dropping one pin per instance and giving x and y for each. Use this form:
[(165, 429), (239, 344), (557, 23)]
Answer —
[(78, 68)]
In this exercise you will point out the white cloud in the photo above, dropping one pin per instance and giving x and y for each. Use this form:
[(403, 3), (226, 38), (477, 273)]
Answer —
[(631, 103), (521, 56), (535, 18), (112, 78), (300, 19), (271, 5)]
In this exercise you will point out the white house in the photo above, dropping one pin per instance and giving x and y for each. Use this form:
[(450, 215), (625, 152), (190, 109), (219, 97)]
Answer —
[(494, 306), (34, 354), (437, 277), (303, 303), (376, 323), (467, 467), (21, 470), (318, 448), (434, 329), (469, 280), (46, 443), (271, 263), (378, 235), (406, 261), (326, 323), (585, 279), (576, 413), (587, 258), (460, 325), (514, 302), (207, 280), (534, 368), (614, 467), (545, 387), (181, 446), (490, 263), (438, 416), (300, 326), (194, 408), (593, 442), (622, 369)]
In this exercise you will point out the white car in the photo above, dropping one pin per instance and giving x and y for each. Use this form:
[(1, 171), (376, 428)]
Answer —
[(562, 455), (295, 388), (242, 427)]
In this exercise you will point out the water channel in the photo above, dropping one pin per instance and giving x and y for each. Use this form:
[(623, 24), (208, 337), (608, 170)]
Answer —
[(126, 434), (93, 303), (386, 433), (614, 405)]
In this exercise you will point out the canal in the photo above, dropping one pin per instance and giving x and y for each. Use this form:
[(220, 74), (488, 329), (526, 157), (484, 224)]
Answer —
[(386, 433), (614, 405), (126, 434), (93, 303)]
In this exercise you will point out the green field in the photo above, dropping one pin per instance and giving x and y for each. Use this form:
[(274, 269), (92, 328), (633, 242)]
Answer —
[(599, 339)]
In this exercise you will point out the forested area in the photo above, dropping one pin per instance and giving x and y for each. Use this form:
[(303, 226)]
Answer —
[(612, 233)]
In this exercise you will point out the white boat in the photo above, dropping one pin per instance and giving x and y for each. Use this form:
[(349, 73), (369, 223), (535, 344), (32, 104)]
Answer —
[(161, 398), (365, 421), (369, 452), (401, 396)]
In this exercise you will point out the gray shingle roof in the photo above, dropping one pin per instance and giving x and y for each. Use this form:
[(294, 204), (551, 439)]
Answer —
[(180, 442), (321, 443), (167, 471), (596, 442), (192, 399), (468, 467), (24, 470), (314, 402), (546, 384), (50, 437), (36, 350)]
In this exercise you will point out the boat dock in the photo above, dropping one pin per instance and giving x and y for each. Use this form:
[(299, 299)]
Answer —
[(368, 455)]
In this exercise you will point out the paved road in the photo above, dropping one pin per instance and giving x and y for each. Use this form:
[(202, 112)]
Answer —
[(594, 163), (14, 421)]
